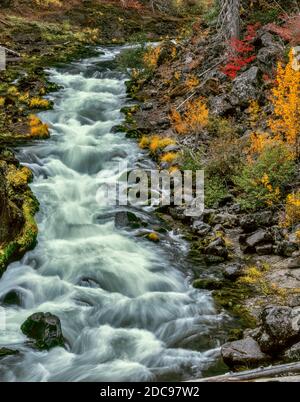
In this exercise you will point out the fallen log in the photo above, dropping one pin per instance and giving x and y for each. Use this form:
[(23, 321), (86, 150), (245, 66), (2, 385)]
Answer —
[(271, 373), (4, 22), (10, 51)]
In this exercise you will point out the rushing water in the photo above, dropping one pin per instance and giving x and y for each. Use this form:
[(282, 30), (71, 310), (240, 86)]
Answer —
[(127, 309)]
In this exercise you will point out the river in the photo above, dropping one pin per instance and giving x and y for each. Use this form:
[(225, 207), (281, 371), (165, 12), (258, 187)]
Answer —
[(126, 305)]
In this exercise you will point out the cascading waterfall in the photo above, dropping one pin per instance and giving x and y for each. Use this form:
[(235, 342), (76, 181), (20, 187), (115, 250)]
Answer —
[(127, 310)]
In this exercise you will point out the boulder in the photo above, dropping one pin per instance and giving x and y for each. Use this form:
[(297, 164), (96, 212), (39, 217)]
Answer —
[(128, 219), (207, 283), (8, 352), (13, 297), (244, 87), (286, 248), (147, 106), (44, 330), (219, 105), (279, 329), (250, 223), (293, 353), (270, 51), (259, 237), (233, 272), (201, 228), (217, 248), (267, 55), (225, 219), (265, 249), (171, 148), (244, 352), (293, 263)]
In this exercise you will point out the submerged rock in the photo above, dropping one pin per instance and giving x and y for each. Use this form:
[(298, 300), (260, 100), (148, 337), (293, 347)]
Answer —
[(44, 330), (244, 352), (128, 219), (12, 297), (8, 352)]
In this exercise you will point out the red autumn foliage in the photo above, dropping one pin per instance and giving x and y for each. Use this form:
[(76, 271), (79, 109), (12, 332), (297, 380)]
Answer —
[(289, 31), (241, 53)]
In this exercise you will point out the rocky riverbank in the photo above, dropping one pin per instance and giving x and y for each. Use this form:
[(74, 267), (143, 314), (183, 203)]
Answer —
[(250, 260)]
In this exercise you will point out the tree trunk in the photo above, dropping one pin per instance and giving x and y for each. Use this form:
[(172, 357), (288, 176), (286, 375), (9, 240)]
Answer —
[(229, 19)]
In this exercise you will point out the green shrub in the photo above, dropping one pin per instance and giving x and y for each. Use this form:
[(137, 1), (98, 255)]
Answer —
[(131, 58), (215, 190), (263, 181)]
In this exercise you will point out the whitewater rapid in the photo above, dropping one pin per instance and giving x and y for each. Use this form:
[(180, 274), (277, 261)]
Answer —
[(127, 309)]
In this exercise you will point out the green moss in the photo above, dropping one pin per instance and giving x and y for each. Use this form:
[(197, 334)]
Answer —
[(207, 283), (232, 297), (27, 238)]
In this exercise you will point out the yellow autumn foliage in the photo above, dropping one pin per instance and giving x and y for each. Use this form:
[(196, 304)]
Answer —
[(150, 58), (292, 210), (193, 120), (191, 81), (169, 157), (144, 142), (285, 121), (19, 177), (259, 141), (37, 127), (39, 103)]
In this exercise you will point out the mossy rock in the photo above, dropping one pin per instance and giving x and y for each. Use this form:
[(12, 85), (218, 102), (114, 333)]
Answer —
[(207, 283), (8, 352), (44, 331)]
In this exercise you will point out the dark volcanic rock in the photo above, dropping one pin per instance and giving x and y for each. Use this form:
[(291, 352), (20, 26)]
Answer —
[(7, 352), (44, 330), (293, 353), (265, 249), (128, 219), (12, 297), (207, 283), (245, 352), (217, 248), (259, 237), (225, 219), (280, 329), (286, 248), (11, 217), (233, 272), (201, 228), (250, 223)]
